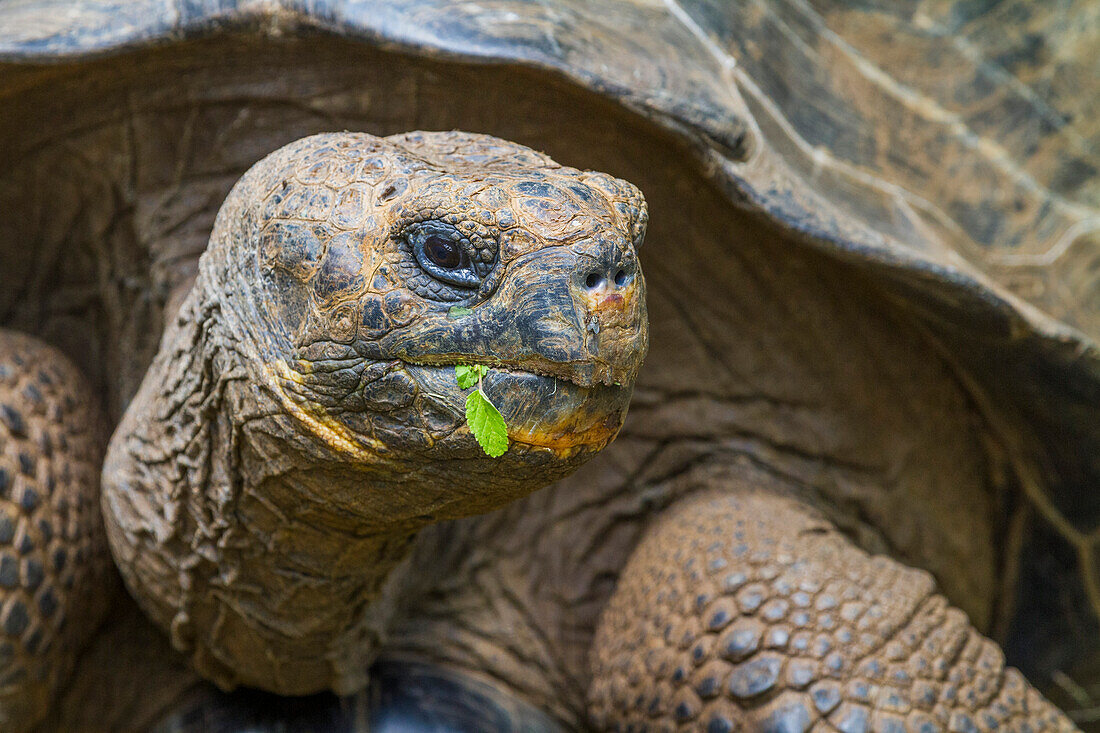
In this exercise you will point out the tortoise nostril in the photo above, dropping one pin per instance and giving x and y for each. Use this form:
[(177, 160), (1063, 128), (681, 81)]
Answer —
[(621, 278), (593, 280)]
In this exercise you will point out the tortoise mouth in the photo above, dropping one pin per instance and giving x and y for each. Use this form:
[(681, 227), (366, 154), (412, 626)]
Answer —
[(412, 405), (586, 373), (578, 374), (542, 410)]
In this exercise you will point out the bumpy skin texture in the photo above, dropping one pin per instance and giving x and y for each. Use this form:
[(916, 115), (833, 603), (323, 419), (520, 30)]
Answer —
[(231, 442), (54, 581), (302, 420), (742, 609), (880, 111)]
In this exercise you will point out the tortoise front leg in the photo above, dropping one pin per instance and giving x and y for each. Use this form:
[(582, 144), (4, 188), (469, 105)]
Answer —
[(744, 610), (54, 579)]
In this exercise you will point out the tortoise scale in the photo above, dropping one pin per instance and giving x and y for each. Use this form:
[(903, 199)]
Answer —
[(865, 304)]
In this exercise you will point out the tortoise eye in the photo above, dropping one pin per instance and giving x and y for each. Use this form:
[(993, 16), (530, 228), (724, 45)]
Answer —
[(443, 252), (439, 249)]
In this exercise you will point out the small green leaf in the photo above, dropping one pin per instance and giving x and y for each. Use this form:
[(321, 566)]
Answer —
[(459, 311), (487, 424), (465, 376), (468, 376)]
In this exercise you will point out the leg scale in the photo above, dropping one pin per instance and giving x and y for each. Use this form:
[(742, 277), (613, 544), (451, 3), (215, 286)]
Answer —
[(54, 565), (744, 610)]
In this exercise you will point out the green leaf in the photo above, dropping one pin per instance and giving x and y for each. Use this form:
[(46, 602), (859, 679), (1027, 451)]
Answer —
[(459, 311), (487, 424), (465, 376), (468, 376)]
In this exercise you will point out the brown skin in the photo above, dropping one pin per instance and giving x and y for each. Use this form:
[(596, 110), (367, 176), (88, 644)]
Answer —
[(904, 656), (55, 580), (762, 352), (302, 421), (743, 609)]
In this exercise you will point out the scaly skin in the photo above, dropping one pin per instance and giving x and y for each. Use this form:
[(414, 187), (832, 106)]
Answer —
[(54, 580), (301, 424), (743, 609), (302, 421)]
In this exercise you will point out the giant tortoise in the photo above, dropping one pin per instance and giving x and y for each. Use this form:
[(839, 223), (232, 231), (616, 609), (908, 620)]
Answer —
[(864, 443)]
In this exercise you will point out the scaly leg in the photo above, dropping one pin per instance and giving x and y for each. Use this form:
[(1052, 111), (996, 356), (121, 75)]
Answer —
[(744, 610), (54, 580)]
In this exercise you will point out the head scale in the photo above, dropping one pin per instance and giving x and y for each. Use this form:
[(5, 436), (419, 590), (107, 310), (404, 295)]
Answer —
[(365, 268)]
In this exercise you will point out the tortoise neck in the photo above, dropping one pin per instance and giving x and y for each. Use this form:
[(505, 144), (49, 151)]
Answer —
[(220, 525)]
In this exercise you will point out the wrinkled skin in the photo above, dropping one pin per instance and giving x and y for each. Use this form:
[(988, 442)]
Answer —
[(312, 368), (766, 355)]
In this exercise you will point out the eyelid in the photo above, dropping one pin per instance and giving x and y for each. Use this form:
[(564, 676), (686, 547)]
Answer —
[(464, 277)]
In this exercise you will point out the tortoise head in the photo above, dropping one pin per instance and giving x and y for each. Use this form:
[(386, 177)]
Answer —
[(357, 272)]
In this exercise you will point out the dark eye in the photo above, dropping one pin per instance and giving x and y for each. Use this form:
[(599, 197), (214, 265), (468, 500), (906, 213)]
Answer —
[(442, 252)]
